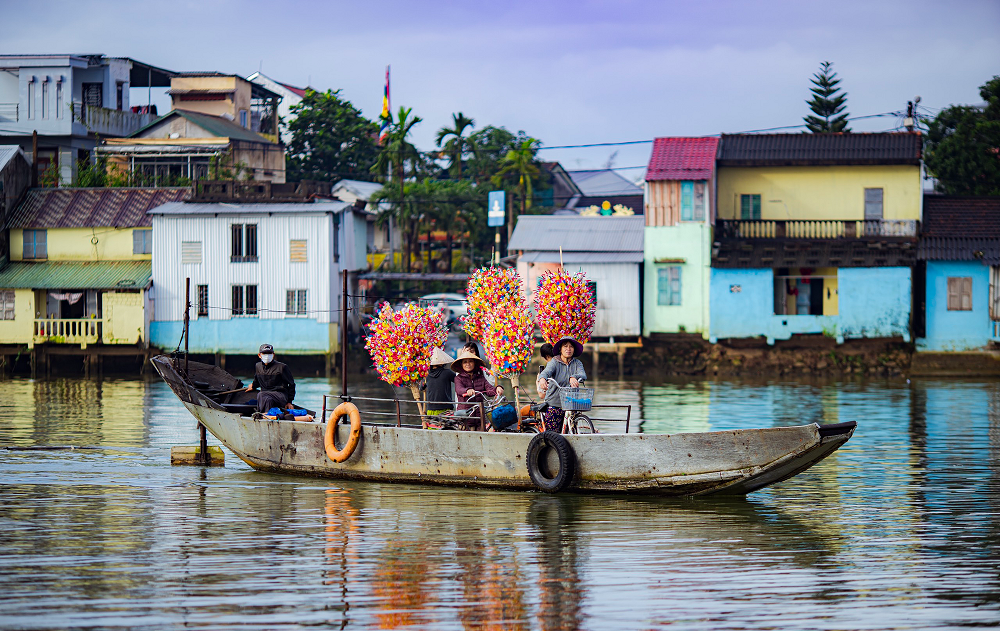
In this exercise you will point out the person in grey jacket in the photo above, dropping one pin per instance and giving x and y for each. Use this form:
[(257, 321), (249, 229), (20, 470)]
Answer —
[(567, 371)]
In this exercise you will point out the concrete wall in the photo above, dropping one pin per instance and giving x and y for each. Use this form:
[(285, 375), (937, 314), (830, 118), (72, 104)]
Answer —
[(692, 243), (828, 192), (78, 244), (229, 106), (242, 336), (956, 330), (21, 328), (873, 302)]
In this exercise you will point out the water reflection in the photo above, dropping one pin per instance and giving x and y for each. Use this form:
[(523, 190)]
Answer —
[(901, 524)]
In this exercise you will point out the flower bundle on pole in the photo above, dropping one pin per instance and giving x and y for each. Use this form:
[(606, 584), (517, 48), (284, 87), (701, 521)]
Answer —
[(489, 288), (509, 342), (401, 344), (564, 306)]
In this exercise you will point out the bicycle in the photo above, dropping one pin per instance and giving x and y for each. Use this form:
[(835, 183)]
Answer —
[(469, 419), (573, 401)]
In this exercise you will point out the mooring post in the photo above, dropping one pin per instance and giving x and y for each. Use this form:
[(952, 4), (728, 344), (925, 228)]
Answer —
[(203, 456)]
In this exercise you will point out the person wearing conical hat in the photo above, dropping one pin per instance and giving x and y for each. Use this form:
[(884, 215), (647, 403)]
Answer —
[(567, 371), (470, 381), (439, 383)]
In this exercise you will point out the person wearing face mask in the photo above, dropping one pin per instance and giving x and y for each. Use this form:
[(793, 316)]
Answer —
[(277, 387)]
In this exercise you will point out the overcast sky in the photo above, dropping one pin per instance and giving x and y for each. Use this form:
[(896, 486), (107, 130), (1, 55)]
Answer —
[(567, 72)]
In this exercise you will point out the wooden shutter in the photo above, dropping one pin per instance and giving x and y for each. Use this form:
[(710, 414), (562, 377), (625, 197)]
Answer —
[(298, 250), (960, 293), (953, 299), (966, 294), (995, 294), (190, 252), (745, 210), (756, 206)]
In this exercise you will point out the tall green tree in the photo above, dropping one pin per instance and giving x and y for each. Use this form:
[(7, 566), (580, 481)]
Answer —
[(398, 150), (490, 146), (331, 140), (520, 165), (963, 146), (827, 103), (455, 143)]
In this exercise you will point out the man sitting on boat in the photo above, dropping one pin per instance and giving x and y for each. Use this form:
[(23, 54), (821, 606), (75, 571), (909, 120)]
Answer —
[(277, 386), (567, 371)]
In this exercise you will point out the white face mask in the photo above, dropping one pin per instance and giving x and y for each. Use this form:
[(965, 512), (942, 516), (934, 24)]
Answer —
[(267, 358)]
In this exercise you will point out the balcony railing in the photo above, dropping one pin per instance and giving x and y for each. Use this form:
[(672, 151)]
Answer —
[(80, 331), (108, 122), (816, 229), (9, 112)]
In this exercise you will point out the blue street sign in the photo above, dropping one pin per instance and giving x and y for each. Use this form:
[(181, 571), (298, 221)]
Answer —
[(495, 206)]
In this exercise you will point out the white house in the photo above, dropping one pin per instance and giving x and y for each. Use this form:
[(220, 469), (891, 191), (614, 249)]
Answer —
[(260, 272), (290, 95)]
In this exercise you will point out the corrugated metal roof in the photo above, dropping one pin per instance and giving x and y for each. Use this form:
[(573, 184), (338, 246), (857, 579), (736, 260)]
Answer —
[(215, 125), (581, 257), (92, 207), (682, 159), (227, 208), (89, 275), (819, 149), (363, 190), (603, 183), (961, 216), (776, 253), (6, 153), (578, 234), (959, 249)]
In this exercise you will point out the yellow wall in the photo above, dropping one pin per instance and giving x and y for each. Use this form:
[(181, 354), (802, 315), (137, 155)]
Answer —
[(830, 192), (21, 329), (77, 244), (230, 105), (123, 317), (831, 290)]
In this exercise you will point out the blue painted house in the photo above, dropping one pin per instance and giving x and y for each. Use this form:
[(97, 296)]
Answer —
[(816, 234), (960, 263)]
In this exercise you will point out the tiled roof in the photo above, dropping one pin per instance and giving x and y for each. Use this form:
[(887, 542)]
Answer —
[(291, 88), (819, 149), (769, 253), (88, 275), (959, 249), (92, 207), (682, 159), (546, 233), (960, 216)]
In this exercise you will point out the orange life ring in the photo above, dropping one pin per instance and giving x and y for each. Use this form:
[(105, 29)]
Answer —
[(342, 410)]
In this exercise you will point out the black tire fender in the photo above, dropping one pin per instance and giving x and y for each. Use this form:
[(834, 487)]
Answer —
[(536, 461)]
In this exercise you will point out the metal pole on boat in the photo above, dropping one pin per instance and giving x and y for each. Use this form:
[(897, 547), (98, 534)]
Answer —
[(187, 320), (343, 340)]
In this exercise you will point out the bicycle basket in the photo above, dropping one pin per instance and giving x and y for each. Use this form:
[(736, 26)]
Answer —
[(580, 399)]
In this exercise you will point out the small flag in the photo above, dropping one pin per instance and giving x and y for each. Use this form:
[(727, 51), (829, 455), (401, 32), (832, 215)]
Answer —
[(385, 118)]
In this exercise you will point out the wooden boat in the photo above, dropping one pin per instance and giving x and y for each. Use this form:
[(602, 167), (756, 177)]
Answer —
[(732, 462)]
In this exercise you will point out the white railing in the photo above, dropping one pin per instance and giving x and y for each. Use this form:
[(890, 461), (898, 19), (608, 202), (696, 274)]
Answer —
[(80, 331), (9, 112)]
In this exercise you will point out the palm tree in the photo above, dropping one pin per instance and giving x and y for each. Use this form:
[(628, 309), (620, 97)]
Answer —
[(398, 149), (458, 145), (519, 162)]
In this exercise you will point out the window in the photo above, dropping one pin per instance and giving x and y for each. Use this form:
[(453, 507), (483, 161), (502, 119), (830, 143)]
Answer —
[(46, 106), (806, 291), (93, 94), (244, 242), (668, 286), (749, 206), (142, 242), (995, 294), (687, 200), (7, 304), (202, 301), (190, 252), (119, 95), (700, 188), (592, 286), (244, 300), (959, 293), (336, 238), (59, 98), (35, 245), (873, 204), (31, 98), (243, 118), (295, 302), (298, 250)]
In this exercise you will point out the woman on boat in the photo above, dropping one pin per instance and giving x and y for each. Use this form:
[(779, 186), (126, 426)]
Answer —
[(439, 383), (470, 380), (567, 371)]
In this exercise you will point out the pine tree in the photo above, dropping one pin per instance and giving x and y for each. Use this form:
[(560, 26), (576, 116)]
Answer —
[(827, 103)]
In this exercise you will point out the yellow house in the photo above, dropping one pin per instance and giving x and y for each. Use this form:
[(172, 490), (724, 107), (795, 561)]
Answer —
[(80, 268)]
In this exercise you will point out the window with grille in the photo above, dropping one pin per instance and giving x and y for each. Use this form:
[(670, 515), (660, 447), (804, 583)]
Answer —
[(687, 200), (749, 206), (244, 243), (298, 250), (190, 252), (7, 304), (873, 203), (700, 189), (959, 293), (35, 244), (142, 242), (295, 302), (336, 238), (668, 286), (244, 302), (202, 301)]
